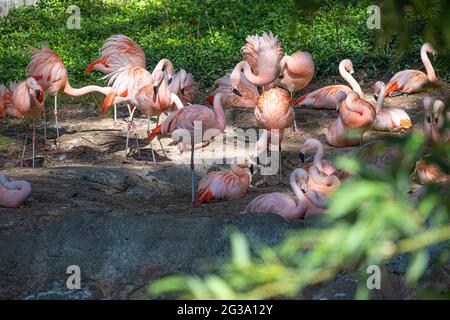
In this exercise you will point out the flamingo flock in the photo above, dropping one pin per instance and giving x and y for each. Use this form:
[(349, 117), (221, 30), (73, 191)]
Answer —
[(266, 80)]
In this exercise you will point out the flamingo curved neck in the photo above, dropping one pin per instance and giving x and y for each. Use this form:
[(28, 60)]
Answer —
[(380, 101), (218, 110), (427, 63), (301, 199), (317, 161), (350, 80)]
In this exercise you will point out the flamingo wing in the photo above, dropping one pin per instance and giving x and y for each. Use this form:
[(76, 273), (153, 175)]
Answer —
[(406, 81), (275, 202)]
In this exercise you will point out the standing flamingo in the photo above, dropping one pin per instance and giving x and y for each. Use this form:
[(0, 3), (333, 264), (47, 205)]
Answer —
[(273, 113), (325, 98), (412, 81), (137, 86), (355, 117), (282, 203), (248, 98), (118, 51), (261, 65), (13, 193), (50, 73), (26, 101), (182, 126), (225, 185), (389, 119)]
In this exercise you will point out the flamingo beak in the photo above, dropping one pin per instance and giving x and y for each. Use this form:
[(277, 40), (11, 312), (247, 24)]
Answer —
[(169, 81), (236, 91), (281, 76), (252, 169), (352, 71), (303, 189), (302, 156), (182, 91), (375, 96), (38, 95)]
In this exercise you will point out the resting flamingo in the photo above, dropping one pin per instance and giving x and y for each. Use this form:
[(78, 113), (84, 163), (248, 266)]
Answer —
[(261, 65), (282, 203), (137, 86), (355, 117), (320, 182), (388, 119), (225, 185), (50, 73), (325, 98), (324, 165), (118, 51), (434, 121), (182, 127), (273, 114), (13, 193), (248, 98), (26, 101), (412, 81), (317, 203)]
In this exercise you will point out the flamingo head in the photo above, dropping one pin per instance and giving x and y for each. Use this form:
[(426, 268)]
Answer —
[(429, 48), (35, 89), (379, 90), (348, 65), (310, 144), (438, 109)]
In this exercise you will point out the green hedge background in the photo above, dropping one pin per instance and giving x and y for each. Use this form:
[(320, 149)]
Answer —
[(204, 37)]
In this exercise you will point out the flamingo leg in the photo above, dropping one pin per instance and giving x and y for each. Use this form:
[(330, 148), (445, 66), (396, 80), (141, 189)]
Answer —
[(34, 143), (295, 129), (279, 164), (192, 174), (129, 125), (22, 159), (56, 117), (44, 115), (115, 113)]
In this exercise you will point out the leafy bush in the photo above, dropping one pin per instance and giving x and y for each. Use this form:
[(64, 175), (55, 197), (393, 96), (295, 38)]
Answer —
[(203, 37)]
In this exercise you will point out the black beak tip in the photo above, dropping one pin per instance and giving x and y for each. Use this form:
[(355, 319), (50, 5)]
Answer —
[(252, 169), (237, 92), (169, 81), (38, 93), (280, 76), (302, 157), (303, 190), (375, 96)]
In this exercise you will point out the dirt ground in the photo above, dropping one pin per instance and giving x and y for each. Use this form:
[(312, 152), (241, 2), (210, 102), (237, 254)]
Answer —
[(88, 173)]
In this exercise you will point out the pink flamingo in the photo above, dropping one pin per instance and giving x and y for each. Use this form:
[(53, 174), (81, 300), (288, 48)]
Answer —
[(5, 99), (282, 203), (355, 117), (248, 98), (261, 65), (320, 182), (50, 73), (434, 121), (136, 85), (225, 185), (118, 51), (317, 203), (388, 119), (25, 100), (273, 113), (412, 81), (325, 98), (181, 127), (324, 165), (13, 193)]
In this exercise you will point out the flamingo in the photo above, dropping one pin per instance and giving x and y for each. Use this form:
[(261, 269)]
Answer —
[(317, 203), (13, 193), (324, 165), (282, 203), (137, 86), (355, 117), (389, 119), (325, 98), (434, 121), (50, 73), (27, 101), (5, 100), (273, 113), (225, 185), (261, 65), (182, 127), (118, 51), (412, 81), (248, 98), (320, 182)]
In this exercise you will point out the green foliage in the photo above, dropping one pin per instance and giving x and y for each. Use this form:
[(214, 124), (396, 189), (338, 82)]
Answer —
[(204, 37), (371, 219)]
